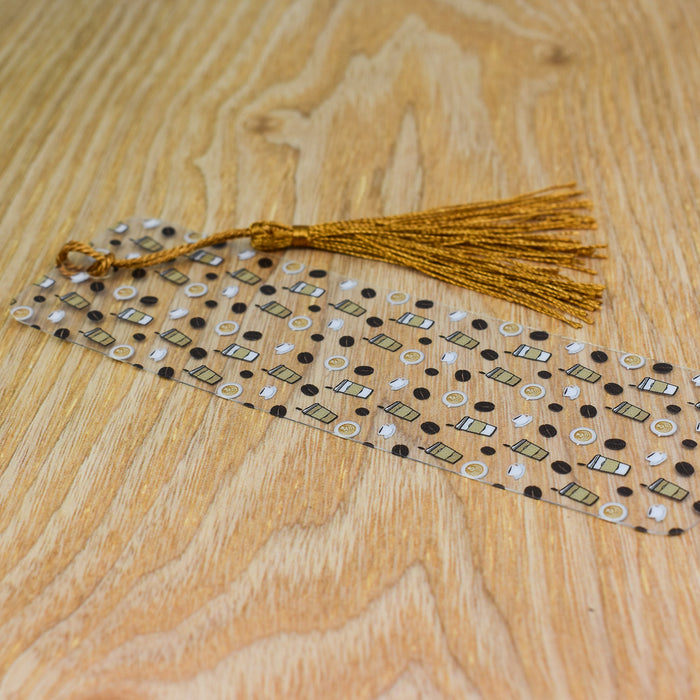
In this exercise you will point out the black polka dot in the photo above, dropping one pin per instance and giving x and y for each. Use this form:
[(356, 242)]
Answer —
[(211, 303), (613, 389), (489, 354), (137, 365), (267, 289), (62, 333), (424, 304), (625, 491), (432, 372), (696, 506), (317, 337), (533, 492), (588, 411), (198, 353), (139, 337), (211, 276), (347, 341), (239, 308), (219, 246), (115, 242), (364, 370), (676, 531), (305, 358), (39, 299), (544, 374), (247, 404), (400, 450), (430, 427), (421, 393), (309, 390), (166, 372), (368, 444), (278, 411), (547, 430), (246, 373), (149, 301), (615, 444), (264, 263), (499, 486), (486, 450), (362, 411), (252, 335), (95, 315), (662, 367), (639, 528), (314, 308), (425, 340), (168, 231), (479, 324), (672, 408), (539, 335), (561, 467), (97, 286), (374, 321), (599, 356), (484, 406), (463, 375), (685, 468), (138, 273), (197, 322), (317, 274), (368, 293), (556, 407), (689, 444)]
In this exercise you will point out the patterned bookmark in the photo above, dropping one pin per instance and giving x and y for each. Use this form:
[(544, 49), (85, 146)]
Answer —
[(608, 433)]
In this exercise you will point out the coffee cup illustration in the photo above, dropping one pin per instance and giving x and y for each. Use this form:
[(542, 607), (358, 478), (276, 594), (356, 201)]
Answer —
[(696, 380), (572, 392), (573, 348), (656, 457), (631, 361), (284, 348), (510, 329), (522, 420), (230, 291), (397, 297), (657, 512), (177, 313), (449, 358), (229, 390), (516, 470), (348, 284), (158, 354), (335, 324), (267, 392), (56, 316), (398, 383), (387, 430), (454, 398), (532, 392)]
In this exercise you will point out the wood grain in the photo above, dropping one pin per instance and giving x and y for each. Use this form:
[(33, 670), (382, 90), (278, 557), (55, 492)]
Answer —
[(155, 543)]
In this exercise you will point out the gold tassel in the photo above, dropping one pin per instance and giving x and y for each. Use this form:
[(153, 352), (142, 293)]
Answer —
[(504, 248)]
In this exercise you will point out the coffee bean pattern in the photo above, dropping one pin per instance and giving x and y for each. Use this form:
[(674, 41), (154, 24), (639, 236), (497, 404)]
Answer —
[(441, 386)]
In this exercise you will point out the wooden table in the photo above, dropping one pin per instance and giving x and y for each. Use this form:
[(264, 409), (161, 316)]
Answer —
[(156, 543)]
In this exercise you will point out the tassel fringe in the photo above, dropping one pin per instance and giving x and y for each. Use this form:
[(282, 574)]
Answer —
[(510, 249)]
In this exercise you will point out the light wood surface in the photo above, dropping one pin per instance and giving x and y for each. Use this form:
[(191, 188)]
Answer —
[(155, 543)]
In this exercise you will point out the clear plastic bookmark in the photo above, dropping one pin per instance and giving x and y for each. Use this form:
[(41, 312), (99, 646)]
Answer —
[(608, 433)]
